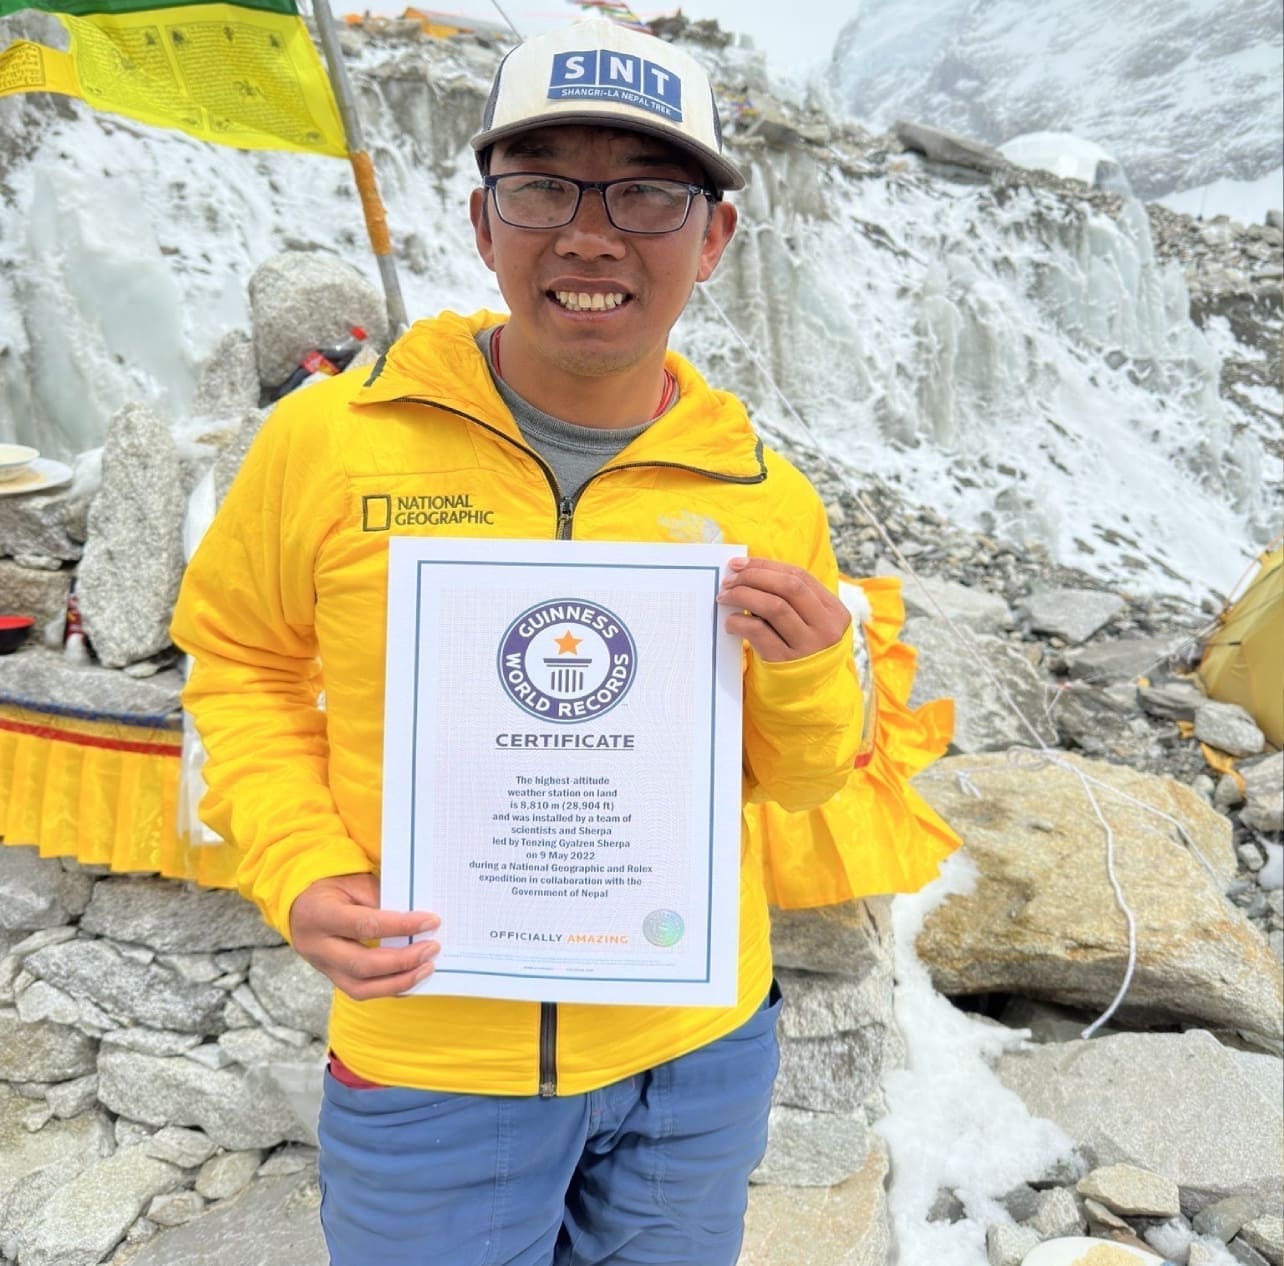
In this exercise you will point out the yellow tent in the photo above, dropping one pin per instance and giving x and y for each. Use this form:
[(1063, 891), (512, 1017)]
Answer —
[(1243, 660)]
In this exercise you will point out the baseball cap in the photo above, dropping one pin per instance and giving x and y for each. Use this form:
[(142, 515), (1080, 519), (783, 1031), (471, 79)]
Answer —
[(597, 72)]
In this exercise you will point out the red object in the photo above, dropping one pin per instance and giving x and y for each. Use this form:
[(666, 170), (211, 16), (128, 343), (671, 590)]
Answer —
[(16, 621), (13, 632)]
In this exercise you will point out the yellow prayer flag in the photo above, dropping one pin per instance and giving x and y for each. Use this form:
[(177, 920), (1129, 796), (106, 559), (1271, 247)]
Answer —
[(245, 75)]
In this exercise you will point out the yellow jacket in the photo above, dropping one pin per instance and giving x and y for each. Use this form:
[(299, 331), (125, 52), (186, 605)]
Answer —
[(286, 597)]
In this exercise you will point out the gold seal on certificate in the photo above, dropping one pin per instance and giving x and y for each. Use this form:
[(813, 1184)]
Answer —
[(562, 765)]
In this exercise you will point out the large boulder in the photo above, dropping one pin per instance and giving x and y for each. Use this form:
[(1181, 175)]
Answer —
[(1177, 1104), (300, 300), (129, 576), (1042, 920)]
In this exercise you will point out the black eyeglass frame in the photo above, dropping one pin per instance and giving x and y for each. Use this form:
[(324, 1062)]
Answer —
[(693, 191)]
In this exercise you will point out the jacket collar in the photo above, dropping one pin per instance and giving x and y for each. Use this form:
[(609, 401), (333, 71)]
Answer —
[(437, 361)]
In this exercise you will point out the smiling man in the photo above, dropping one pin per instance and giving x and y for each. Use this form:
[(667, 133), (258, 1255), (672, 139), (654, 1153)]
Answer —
[(476, 1132)]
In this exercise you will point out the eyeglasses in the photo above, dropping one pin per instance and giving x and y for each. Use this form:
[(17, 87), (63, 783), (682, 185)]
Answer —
[(533, 200)]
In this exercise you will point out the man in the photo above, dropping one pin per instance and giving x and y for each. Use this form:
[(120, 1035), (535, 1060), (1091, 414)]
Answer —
[(465, 1131)]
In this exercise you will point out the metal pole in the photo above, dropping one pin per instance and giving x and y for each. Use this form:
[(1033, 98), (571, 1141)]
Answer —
[(362, 168)]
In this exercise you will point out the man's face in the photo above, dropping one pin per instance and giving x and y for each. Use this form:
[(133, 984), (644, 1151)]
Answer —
[(654, 274)]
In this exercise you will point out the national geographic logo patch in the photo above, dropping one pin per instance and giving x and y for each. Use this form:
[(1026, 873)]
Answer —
[(381, 512)]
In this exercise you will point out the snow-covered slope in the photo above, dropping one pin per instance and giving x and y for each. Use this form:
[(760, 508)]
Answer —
[(1004, 351), (1183, 93)]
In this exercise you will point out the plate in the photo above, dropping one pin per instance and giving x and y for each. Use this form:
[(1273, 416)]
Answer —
[(42, 474), (1074, 1250)]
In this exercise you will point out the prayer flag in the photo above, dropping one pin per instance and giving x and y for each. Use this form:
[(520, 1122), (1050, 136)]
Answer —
[(244, 74)]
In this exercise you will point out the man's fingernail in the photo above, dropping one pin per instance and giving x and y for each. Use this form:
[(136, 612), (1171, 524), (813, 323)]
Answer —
[(430, 950)]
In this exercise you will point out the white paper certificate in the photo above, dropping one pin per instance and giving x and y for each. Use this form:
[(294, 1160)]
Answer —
[(562, 768)]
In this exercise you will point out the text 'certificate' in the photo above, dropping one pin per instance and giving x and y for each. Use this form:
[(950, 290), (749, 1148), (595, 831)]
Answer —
[(562, 768)]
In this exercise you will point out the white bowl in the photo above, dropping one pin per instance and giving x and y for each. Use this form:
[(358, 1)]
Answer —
[(14, 459)]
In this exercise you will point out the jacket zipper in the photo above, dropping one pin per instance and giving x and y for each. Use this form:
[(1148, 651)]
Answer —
[(565, 525)]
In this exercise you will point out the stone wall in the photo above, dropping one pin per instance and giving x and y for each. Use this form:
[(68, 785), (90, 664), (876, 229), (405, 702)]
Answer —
[(160, 1048)]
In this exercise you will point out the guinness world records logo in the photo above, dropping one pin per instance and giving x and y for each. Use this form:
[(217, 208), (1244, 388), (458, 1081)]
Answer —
[(567, 660)]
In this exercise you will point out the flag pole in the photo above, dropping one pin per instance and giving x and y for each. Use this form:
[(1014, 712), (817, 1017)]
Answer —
[(362, 168)]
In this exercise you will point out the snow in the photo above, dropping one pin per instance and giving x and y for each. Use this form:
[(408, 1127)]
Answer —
[(1183, 94), (950, 1122)]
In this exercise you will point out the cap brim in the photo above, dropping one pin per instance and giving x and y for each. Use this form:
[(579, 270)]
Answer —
[(724, 175)]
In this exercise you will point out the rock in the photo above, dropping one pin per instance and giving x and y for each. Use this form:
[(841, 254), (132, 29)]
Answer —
[(1102, 1219), (1074, 614), (42, 594), (42, 1051), (235, 1112), (846, 1225), (1058, 1213), (1172, 700), (175, 917), (288, 1160), (947, 1207), (983, 719), (1124, 660), (1265, 1234), (1246, 1254), (39, 892), (176, 1208), (34, 1166), (1142, 1099), (948, 147), (1098, 723), (1228, 728), (813, 1149), (300, 300), (1008, 1245), (154, 1041), (1223, 1218), (39, 524), (1022, 1202), (850, 939), (82, 1221), (226, 1174), (930, 596), (144, 993), (228, 382), (1264, 793), (1136, 1192), (273, 1222), (291, 990), (133, 561), (47, 677), (71, 1098), (185, 1148), (841, 1074), (1036, 926)]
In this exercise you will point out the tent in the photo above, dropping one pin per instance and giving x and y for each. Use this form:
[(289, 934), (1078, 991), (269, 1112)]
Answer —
[(1068, 156), (1243, 660)]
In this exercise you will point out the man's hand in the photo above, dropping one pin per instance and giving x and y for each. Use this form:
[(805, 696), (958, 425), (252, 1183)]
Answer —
[(783, 612), (330, 920)]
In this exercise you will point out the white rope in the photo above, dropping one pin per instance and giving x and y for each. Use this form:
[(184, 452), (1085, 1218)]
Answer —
[(1046, 753)]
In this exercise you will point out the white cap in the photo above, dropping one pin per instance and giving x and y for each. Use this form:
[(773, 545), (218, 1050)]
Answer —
[(600, 73)]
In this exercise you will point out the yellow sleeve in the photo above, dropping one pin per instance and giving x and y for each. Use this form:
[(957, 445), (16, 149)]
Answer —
[(245, 616), (802, 718)]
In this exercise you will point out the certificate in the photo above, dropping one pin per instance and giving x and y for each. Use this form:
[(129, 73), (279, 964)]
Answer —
[(562, 768)]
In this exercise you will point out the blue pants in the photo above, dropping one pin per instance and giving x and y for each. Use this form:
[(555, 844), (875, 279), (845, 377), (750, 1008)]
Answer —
[(650, 1170)]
